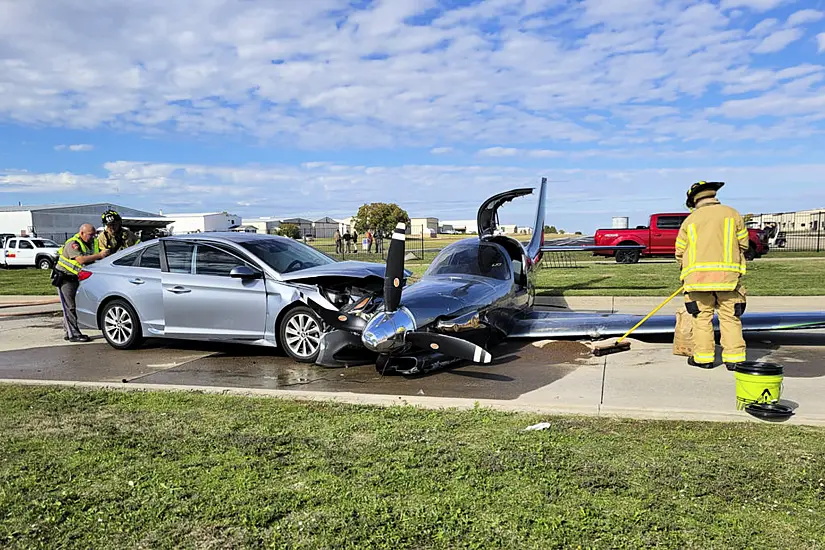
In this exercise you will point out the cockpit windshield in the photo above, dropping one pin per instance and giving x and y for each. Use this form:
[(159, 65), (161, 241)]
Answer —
[(471, 258)]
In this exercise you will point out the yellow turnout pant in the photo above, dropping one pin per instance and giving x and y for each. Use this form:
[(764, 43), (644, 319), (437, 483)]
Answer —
[(730, 307)]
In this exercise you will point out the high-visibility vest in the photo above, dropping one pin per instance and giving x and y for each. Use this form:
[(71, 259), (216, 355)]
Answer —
[(70, 266)]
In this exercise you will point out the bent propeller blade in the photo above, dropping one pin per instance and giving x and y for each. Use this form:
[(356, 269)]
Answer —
[(449, 345), (394, 274), (338, 319)]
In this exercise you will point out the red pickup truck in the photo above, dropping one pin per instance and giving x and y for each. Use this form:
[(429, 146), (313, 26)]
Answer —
[(659, 239)]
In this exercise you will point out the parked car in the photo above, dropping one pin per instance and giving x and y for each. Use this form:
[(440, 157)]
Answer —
[(659, 239), (29, 252), (231, 287)]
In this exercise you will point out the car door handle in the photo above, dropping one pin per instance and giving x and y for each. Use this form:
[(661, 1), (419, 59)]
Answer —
[(136, 281), (178, 290)]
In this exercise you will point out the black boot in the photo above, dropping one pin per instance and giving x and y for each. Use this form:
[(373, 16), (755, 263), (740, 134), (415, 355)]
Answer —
[(693, 363)]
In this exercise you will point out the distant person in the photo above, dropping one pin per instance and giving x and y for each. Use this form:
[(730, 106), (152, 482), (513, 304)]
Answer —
[(369, 240), (348, 241), (337, 238), (80, 250), (355, 240), (710, 247)]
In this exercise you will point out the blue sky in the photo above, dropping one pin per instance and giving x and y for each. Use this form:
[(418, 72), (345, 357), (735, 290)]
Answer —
[(313, 108)]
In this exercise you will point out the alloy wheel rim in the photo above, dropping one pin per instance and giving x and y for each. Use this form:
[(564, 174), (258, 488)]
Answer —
[(302, 335), (118, 325)]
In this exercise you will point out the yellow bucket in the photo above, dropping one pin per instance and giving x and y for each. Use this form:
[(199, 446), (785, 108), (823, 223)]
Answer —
[(757, 383)]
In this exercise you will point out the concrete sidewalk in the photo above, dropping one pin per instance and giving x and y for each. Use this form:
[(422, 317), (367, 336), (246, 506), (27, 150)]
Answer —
[(646, 382)]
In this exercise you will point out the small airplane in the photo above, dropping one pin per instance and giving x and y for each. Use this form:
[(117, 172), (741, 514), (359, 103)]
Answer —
[(476, 293)]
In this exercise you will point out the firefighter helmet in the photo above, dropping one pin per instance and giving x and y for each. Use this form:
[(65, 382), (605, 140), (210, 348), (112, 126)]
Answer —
[(702, 187), (111, 216)]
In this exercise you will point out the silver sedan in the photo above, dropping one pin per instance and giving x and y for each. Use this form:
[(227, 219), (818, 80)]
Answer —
[(231, 287)]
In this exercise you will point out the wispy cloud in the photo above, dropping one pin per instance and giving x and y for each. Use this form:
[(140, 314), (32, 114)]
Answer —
[(328, 73), (820, 38), (80, 147), (581, 198), (803, 17), (441, 150), (778, 40)]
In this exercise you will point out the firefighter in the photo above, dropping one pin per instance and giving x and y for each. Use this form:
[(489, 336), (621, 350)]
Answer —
[(79, 250), (114, 237), (710, 248)]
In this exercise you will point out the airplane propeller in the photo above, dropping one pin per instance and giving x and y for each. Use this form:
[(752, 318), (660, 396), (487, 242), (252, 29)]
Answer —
[(338, 319), (394, 273), (449, 345)]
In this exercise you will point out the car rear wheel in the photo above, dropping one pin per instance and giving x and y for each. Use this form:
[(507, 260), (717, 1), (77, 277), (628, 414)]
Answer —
[(750, 253), (45, 263), (627, 256), (120, 325), (300, 334)]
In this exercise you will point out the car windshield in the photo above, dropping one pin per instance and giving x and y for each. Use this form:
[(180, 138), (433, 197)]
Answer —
[(473, 258), (44, 243), (286, 256)]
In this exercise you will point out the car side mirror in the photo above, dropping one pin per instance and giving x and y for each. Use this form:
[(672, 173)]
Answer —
[(245, 272)]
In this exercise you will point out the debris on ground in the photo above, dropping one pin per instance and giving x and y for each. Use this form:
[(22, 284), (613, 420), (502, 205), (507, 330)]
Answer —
[(537, 427)]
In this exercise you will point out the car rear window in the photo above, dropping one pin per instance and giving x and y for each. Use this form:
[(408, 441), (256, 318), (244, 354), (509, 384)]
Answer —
[(150, 259), (670, 222), (128, 260), (211, 261), (179, 257)]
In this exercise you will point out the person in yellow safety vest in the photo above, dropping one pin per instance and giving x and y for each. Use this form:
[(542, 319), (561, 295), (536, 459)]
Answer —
[(114, 237), (80, 250), (710, 248)]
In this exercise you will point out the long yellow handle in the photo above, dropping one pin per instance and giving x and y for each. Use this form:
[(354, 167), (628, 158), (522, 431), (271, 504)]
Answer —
[(651, 314)]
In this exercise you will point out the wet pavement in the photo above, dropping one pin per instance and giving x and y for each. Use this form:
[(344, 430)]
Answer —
[(519, 368), (554, 377)]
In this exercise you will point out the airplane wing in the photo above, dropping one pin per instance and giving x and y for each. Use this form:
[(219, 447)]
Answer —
[(562, 324)]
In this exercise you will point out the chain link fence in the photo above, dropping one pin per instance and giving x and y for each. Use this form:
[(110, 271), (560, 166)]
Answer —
[(792, 231)]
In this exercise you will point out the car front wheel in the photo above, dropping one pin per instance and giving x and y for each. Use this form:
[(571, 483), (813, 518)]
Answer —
[(300, 334), (120, 325), (44, 263)]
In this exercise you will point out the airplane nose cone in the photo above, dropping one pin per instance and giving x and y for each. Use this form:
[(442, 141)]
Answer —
[(383, 334)]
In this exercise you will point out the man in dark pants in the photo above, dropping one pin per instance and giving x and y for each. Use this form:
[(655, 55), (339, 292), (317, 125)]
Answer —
[(82, 249)]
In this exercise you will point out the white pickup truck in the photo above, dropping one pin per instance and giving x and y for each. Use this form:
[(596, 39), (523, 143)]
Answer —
[(29, 252)]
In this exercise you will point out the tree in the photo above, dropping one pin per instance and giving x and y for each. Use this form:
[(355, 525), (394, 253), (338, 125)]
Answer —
[(561, 231), (380, 216), (290, 230), (552, 230), (578, 233)]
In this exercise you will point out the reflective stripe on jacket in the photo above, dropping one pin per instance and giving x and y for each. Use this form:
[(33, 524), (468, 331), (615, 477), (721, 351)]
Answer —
[(68, 265), (710, 248)]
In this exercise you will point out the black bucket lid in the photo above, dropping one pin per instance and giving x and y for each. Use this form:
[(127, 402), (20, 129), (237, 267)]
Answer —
[(763, 369), (769, 410)]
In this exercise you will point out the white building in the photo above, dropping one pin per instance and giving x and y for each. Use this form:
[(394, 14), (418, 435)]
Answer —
[(60, 221), (203, 222), (325, 228), (266, 225), (428, 227), (462, 226), (804, 220)]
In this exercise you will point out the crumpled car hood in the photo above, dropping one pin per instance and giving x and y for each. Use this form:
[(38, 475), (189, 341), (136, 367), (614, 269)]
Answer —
[(353, 269)]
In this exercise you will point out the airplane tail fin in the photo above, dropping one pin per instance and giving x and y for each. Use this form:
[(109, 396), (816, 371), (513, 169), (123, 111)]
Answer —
[(534, 248)]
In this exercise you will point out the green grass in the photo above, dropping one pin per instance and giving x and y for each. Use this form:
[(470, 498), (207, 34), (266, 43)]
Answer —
[(792, 278), (660, 278), (106, 469), (14, 282)]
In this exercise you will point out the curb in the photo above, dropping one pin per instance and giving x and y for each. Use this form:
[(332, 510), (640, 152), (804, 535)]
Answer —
[(432, 402)]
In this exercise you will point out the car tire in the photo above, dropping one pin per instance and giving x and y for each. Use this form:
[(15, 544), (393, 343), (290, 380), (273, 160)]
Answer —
[(299, 334), (750, 253), (120, 325), (45, 263), (627, 256)]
